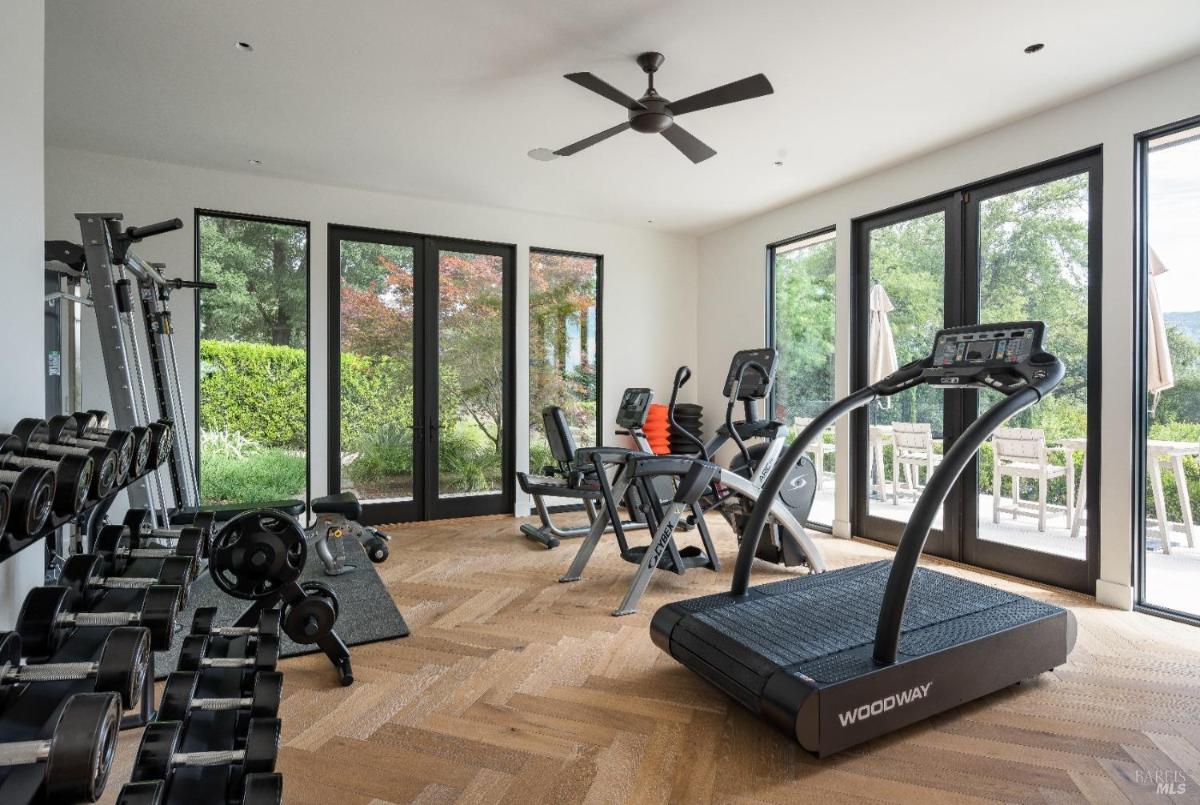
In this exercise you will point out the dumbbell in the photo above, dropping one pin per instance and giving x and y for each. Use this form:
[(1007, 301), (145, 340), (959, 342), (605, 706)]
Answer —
[(47, 616), (158, 437), (138, 521), (257, 789), (30, 499), (158, 754), (121, 669), (193, 655), (179, 697), (113, 543), (79, 753), (268, 625), (73, 428), (105, 476), (84, 574), (72, 474)]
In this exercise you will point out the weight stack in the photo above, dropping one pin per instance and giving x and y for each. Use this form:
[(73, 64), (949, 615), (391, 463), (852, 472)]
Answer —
[(657, 429), (689, 417)]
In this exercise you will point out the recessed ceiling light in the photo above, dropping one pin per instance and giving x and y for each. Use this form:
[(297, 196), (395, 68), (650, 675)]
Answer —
[(245, 47), (1035, 47), (255, 162), (779, 163), (650, 221), (542, 154)]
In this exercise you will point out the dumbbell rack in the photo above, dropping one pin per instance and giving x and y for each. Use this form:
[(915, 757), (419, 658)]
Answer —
[(208, 731), (88, 518)]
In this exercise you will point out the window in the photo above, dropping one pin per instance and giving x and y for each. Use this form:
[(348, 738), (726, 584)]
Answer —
[(1170, 310), (252, 390), (564, 346), (802, 300)]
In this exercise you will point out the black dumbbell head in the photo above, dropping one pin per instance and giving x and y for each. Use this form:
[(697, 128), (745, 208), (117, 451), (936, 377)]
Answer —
[(262, 746), (202, 621), (124, 663), (31, 501), (177, 571), (192, 651), (159, 608), (268, 622), (112, 544), (268, 692), (177, 695), (160, 741), (262, 789), (146, 793), (141, 450), (266, 653), (82, 748), (5, 507), (10, 648), (79, 571), (136, 520), (107, 476), (37, 623)]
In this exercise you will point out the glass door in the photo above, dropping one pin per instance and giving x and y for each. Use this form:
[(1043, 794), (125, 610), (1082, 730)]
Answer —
[(421, 374), (903, 297), (1031, 250)]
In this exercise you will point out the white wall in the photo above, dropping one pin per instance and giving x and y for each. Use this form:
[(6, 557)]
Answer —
[(649, 277), (21, 254), (732, 276)]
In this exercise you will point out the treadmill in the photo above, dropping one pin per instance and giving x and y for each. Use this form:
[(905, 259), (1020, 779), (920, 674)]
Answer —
[(839, 658)]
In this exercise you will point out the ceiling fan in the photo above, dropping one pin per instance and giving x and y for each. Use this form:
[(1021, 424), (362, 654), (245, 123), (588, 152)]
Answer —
[(654, 114)]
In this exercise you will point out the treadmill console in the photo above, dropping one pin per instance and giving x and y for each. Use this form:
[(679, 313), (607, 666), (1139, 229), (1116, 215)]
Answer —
[(755, 385), (635, 404), (974, 354)]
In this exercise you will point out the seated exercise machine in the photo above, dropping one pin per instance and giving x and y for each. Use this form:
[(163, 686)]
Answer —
[(572, 479), (694, 480), (849, 655)]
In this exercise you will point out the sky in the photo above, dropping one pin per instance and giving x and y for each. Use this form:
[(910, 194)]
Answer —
[(1174, 222)]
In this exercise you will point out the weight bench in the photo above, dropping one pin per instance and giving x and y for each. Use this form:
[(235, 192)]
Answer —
[(567, 479)]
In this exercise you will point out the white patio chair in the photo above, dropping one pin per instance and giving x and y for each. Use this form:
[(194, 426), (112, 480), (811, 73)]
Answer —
[(1021, 453), (912, 449)]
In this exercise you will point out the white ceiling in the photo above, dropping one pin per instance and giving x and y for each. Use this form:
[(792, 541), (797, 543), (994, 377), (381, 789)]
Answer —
[(442, 99)]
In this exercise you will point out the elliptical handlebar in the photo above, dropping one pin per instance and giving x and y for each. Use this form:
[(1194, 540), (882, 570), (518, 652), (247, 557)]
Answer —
[(733, 433), (682, 375)]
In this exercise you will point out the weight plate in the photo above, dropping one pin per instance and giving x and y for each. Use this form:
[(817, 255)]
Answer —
[(124, 663), (147, 793), (312, 617), (141, 450), (159, 608), (262, 789), (160, 443), (105, 478), (82, 748), (37, 624), (256, 553), (177, 695), (159, 742), (262, 745), (268, 691)]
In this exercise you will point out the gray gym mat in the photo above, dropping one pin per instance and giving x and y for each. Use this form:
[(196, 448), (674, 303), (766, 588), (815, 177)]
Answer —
[(367, 612)]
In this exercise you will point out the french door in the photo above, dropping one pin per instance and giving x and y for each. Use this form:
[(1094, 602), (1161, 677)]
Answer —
[(421, 374), (1024, 246)]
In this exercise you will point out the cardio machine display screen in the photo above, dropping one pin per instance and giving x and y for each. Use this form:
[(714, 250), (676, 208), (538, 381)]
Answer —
[(995, 347), (634, 404)]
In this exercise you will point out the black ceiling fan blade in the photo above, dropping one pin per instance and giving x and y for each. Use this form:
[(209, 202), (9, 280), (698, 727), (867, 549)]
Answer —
[(600, 87), (692, 148), (590, 141), (753, 87)]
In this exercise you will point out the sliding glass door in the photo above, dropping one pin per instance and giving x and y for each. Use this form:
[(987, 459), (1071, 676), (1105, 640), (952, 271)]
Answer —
[(422, 332), (1022, 247), (1166, 516)]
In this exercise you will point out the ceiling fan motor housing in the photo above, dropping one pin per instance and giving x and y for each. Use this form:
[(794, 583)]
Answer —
[(652, 119)]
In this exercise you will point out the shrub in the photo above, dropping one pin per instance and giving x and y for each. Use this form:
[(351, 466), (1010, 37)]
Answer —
[(267, 474), (257, 390)]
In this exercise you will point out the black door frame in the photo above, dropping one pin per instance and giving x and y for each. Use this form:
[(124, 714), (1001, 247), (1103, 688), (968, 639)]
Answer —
[(1141, 323), (959, 539), (426, 503)]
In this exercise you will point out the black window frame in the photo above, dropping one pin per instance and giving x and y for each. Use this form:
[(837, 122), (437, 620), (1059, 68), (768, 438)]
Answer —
[(204, 212), (772, 249), (1141, 323), (958, 297), (599, 258)]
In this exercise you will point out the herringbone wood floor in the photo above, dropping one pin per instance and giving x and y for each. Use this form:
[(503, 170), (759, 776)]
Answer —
[(516, 689)]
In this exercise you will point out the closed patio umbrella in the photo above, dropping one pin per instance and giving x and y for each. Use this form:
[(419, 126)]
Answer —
[(1159, 374), (881, 344)]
